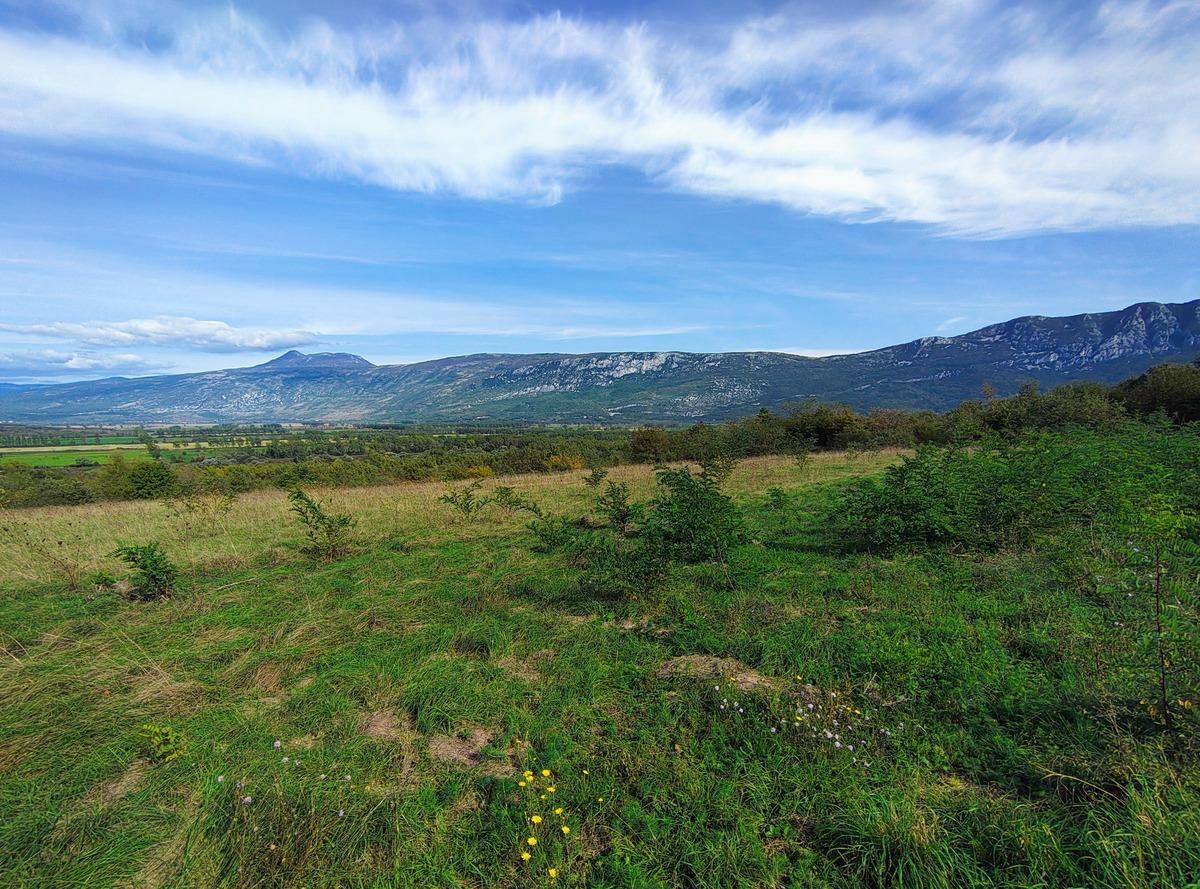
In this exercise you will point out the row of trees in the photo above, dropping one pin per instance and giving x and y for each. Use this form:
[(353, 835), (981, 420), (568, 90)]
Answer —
[(380, 456)]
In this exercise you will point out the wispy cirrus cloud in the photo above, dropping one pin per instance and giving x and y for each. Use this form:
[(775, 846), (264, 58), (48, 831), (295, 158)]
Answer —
[(979, 119), (166, 330), (950, 323)]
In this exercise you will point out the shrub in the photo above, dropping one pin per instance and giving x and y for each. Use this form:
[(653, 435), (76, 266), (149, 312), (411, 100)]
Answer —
[(552, 533), (649, 445), (466, 501), (595, 477), (510, 501), (200, 513), (693, 520), (154, 573), (614, 505), (564, 462), (150, 480), (1007, 492), (330, 535), (161, 743)]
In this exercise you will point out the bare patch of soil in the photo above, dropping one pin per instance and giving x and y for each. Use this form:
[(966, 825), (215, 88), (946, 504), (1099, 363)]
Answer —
[(466, 748), (528, 668), (156, 686), (385, 725), (720, 669), (126, 783)]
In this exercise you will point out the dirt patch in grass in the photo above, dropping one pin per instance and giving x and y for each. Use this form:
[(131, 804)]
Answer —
[(129, 781), (645, 626), (528, 668), (158, 687), (466, 748), (385, 725), (719, 669), (267, 678)]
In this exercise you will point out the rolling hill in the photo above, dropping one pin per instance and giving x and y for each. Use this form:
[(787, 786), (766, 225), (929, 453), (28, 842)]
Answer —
[(615, 387)]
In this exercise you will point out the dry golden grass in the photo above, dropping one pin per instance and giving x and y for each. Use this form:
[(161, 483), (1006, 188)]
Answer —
[(260, 530)]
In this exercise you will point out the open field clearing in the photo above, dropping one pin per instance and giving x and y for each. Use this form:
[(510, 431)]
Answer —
[(258, 530), (452, 705)]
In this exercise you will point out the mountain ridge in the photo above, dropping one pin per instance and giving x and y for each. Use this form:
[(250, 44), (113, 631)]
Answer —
[(935, 372)]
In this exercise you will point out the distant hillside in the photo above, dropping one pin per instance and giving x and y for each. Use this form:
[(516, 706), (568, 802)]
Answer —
[(932, 372)]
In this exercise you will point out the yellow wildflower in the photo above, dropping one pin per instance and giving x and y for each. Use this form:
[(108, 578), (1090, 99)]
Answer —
[(536, 819), (550, 789), (553, 873), (545, 773), (558, 811), (566, 830), (520, 783), (531, 840), (525, 856)]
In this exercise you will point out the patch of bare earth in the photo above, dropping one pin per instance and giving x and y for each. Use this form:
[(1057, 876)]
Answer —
[(465, 748), (156, 686), (720, 669), (385, 725), (529, 668), (645, 626), (126, 783)]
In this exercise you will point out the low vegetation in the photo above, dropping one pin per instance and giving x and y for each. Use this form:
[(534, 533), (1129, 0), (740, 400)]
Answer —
[(972, 664), (35, 470)]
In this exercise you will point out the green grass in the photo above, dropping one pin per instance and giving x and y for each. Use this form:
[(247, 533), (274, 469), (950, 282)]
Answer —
[(56, 457), (995, 772)]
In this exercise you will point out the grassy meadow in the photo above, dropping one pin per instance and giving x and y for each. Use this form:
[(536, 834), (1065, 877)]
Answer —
[(448, 706)]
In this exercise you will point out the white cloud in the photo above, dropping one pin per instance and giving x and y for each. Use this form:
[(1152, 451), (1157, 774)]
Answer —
[(978, 119), (807, 351), (53, 363), (167, 330), (950, 323)]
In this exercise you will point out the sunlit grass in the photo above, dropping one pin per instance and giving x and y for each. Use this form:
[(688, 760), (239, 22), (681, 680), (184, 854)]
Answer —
[(389, 716)]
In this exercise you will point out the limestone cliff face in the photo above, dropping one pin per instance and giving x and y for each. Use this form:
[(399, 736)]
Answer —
[(630, 387)]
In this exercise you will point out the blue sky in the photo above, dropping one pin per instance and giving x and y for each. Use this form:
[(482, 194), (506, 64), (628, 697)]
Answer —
[(188, 186)]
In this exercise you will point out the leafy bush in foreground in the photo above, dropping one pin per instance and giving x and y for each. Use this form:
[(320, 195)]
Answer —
[(693, 520), (1007, 492), (154, 574), (329, 534)]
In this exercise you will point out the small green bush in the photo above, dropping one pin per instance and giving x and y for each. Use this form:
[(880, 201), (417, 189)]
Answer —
[(330, 535), (150, 480), (615, 507), (154, 574), (595, 477), (162, 743), (693, 520), (466, 501), (510, 501)]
